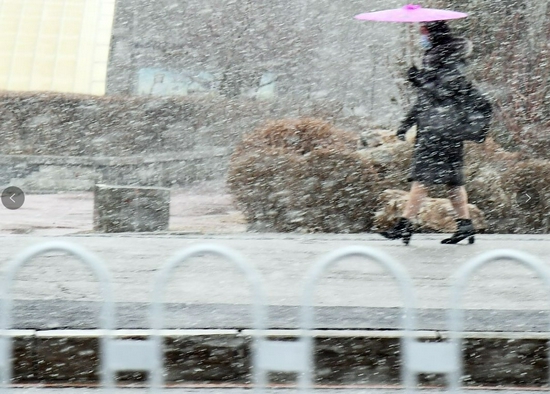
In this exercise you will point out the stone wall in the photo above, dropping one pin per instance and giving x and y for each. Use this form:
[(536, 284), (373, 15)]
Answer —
[(56, 142), (344, 357), (74, 173)]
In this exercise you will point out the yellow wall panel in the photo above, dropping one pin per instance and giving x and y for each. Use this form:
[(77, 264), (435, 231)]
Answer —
[(25, 44), (51, 27), (7, 42), (59, 45), (53, 11), (12, 8), (47, 47), (33, 13), (65, 69), (97, 73), (72, 27), (22, 65), (98, 88), (68, 47), (9, 25), (73, 8), (42, 69), (4, 68), (44, 83)]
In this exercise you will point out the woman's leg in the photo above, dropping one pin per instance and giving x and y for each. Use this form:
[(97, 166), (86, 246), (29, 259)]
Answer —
[(403, 229), (465, 228), (459, 201), (416, 197)]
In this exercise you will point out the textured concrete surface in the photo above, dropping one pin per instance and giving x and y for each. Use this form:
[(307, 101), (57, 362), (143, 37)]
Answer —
[(198, 208), (283, 261)]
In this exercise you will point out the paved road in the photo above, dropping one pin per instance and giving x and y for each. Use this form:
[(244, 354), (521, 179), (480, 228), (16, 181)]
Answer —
[(208, 293)]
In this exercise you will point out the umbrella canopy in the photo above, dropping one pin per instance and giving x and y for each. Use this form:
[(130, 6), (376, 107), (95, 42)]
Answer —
[(410, 13)]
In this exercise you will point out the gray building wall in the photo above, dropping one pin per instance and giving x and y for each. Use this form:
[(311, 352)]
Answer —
[(289, 51)]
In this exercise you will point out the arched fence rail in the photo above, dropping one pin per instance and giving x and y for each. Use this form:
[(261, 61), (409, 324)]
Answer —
[(268, 355)]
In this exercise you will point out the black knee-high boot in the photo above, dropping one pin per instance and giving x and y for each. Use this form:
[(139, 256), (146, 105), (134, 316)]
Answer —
[(465, 229), (403, 229)]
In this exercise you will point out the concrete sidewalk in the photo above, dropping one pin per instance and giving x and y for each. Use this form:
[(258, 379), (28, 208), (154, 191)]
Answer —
[(283, 261), (200, 208)]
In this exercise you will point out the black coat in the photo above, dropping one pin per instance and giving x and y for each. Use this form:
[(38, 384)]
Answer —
[(438, 153)]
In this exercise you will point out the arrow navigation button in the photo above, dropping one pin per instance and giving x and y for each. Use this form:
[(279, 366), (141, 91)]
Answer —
[(13, 197)]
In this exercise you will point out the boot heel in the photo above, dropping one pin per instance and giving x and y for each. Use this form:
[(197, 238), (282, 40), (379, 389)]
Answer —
[(403, 229), (407, 237), (464, 230)]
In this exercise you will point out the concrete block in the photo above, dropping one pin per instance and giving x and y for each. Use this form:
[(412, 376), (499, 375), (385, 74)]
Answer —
[(131, 208)]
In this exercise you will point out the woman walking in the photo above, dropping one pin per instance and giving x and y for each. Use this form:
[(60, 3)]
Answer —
[(443, 92)]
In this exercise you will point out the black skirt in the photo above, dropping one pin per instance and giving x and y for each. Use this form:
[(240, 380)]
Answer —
[(437, 161)]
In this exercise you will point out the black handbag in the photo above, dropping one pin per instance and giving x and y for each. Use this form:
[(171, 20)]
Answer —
[(465, 116), (476, 117)]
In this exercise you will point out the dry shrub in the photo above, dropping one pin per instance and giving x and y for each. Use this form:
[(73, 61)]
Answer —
[(299, 136), (489, 152), (337, 192), (512, 190), (303, 175), (255, 180), (296, 180), (528, 185), (392, 162), (485, 166)]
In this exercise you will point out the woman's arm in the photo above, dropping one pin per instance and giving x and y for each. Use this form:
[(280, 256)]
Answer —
[(408, 122)]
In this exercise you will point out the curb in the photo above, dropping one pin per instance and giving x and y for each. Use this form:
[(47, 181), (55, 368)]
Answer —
[(342, 357)]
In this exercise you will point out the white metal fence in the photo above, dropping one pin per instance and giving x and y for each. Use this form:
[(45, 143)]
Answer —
[(267, 355)]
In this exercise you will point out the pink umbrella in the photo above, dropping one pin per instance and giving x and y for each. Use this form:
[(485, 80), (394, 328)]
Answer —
[(411, 13)]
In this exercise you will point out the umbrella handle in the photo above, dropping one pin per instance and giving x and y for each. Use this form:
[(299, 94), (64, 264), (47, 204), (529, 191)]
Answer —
[(411, 44)]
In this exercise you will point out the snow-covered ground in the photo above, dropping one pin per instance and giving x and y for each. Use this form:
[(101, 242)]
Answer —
[(202, 208)]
